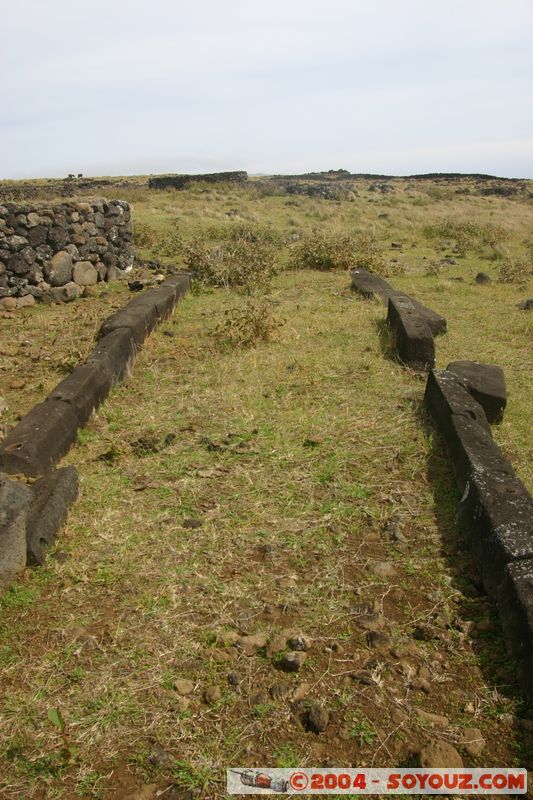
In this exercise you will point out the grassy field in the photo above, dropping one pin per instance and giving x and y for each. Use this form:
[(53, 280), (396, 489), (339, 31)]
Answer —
[(293, 488)]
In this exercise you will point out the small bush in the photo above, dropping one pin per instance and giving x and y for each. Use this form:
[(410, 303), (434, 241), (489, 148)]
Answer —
[(324, 251), (466, 236), (248, 324), (246, 264), (517, 271), (145, 235)]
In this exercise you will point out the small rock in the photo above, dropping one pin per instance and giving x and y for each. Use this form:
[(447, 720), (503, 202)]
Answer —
[(59, 269), (234, 678), (438, 754), (260, 698), (280, 690), (300, 642), (317, 718), (212, 694), (473, 742), (250, 645), (293, 661), (276, 644), (84, 274), (192, 523), (26, 301), (183, 686), (432, 719), (301, 691), (377, 639), (526, 305), (8, 303), (383, 569), (482, 277), (159, 757), (424, 633)]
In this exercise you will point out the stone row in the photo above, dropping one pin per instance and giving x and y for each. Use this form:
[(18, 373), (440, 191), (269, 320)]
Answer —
[(495, 511), (44, 249), (30, 516), (413, 324)]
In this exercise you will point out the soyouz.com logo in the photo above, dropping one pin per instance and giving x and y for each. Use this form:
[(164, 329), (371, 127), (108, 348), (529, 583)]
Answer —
[(245, 780)]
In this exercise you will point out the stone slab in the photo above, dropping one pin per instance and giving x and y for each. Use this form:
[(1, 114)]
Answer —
[(516, 611), (15, 499), (496, 517), (486, 383), (85, 389), (40, 439), (140, 316), (370, 285), (52, 497), (115, 353), (414, 340), (446, 395)]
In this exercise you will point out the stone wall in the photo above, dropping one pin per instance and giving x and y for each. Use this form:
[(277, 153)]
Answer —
[(51, 251), (179, 181)]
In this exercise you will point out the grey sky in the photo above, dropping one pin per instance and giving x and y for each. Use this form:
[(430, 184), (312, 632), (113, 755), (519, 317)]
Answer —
[(134, 86)]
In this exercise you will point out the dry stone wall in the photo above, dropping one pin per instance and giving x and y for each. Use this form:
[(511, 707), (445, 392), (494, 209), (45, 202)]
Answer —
[(53, 251), (180, 181)]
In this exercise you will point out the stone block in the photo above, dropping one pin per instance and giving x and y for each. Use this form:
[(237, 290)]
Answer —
[(486, 383), (15, 499), (39, 440), (52, 497), (413, 337)]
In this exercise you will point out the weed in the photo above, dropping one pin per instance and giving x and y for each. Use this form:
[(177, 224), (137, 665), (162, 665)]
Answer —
[(517, 271), (248, 324), (324, 251), (363, 731)]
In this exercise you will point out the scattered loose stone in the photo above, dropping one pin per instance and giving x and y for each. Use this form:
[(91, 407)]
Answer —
[(183, 686), (482, 277), (276, 645), (472, 741), (293, 661), (526, 305), (192, 523), (377, 639), (317, 718), (300, 642), (259, 698), (432, 719), (383, 569), (280, 690), (438, 754), (234, 678), (424, 633), (300, 692), (212, 695), (250, 645)]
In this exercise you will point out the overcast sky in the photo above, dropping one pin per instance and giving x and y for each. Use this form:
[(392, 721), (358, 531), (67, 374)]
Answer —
[(146, 86)]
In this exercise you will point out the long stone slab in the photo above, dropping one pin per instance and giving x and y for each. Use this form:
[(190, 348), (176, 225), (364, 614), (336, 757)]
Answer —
[(414, 339), (115, 353), (496, 517), (370, 285), (486, 384), (446, 395), (15, 499), (516, 610), (142, 313), (85, 388), (40, 439), (52, 497)]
